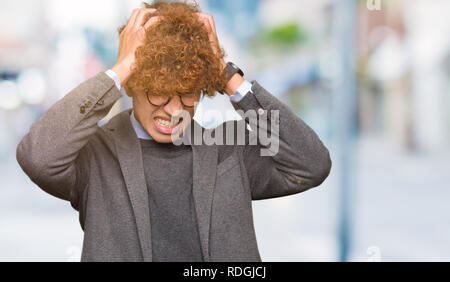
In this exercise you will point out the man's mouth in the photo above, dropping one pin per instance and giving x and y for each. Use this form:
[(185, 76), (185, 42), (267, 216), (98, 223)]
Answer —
[(166, 126)]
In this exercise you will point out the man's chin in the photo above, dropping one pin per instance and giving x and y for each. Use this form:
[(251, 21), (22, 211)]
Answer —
[(166, 138)]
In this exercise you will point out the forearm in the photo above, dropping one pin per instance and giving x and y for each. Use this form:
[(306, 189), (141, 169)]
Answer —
[(54, 140), (301, 156), (123, 72)]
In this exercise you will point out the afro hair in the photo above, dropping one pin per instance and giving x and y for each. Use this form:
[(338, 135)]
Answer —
[(177, 57)]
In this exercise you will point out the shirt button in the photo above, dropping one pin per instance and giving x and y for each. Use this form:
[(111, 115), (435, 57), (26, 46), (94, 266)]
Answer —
[(261, 111), (82, 110), (101, 102)]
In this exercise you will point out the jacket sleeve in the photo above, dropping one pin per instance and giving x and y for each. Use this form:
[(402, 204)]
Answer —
[(55, 153), (299, 162)]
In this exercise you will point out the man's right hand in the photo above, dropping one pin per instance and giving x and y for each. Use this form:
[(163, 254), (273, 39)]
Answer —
[(132, 37)]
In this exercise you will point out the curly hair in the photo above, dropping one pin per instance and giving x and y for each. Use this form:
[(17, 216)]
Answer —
[(177, 57)]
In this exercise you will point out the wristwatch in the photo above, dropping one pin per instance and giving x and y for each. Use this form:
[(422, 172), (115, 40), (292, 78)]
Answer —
[(232, 69)]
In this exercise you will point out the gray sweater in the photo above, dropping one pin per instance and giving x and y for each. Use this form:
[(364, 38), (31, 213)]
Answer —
[(168, 174)]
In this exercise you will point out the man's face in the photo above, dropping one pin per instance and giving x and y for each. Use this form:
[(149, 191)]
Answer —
[(157, 120)]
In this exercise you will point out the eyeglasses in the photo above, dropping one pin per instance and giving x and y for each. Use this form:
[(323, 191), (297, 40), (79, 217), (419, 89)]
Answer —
[(188, 100)]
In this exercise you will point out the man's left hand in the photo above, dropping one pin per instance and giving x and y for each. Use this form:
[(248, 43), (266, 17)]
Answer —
[(208, 21)]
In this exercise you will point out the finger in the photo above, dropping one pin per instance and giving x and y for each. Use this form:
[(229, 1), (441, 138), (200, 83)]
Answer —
[(206, 24), (202, 19), (208, 20), (142, 17), (212, 23), (132, 19), (152, 21), (211, 27)]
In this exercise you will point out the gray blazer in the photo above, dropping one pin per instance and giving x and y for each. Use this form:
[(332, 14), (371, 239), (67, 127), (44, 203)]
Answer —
[(100, 171)]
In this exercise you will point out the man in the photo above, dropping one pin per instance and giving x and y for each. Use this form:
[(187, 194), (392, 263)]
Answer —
[(140, 197)]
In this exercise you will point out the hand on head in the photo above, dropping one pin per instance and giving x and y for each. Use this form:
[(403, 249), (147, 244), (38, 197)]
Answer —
[(132, 36)]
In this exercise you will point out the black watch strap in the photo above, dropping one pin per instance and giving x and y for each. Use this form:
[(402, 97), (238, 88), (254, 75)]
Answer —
[(232, 69)]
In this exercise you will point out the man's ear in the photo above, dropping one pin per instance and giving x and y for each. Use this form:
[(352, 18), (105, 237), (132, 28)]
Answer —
[(128, 91)]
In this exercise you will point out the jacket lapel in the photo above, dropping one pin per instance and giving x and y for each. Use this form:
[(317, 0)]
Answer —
[(130, 158), (204, 177)]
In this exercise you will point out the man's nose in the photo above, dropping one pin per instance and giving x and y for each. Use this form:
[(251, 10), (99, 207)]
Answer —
[(173, 105)]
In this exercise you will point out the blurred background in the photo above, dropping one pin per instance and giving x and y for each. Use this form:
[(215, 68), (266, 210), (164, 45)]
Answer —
[(372, 78)]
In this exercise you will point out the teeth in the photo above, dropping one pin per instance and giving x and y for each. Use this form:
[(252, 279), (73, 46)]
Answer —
[(166, 123)]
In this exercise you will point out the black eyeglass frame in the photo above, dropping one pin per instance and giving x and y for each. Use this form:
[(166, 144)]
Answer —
[(168, 101)]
